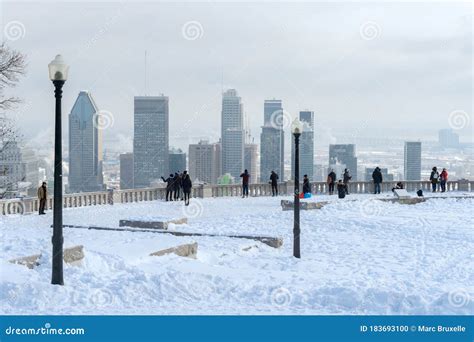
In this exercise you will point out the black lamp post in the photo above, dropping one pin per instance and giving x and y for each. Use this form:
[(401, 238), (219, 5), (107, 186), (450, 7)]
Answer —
[(296, 129), (58, 71)]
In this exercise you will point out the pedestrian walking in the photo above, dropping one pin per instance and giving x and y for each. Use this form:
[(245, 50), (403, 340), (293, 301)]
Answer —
[(274, 182), (169, 187), (187, 186), (306, 185), (245, 183), (42, 197), (331, 180), (434, 178), (443, 178), (377, 178), (346, 177)]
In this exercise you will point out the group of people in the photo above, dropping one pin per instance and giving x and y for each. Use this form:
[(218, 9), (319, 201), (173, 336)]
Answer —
[(342, 184), (438, 178), (178, 186)]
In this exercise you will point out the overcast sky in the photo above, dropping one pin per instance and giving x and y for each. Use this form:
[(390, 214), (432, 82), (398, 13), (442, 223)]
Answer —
[(387, 69)]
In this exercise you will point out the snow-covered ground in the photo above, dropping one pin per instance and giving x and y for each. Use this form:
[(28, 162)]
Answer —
[(359, 256)]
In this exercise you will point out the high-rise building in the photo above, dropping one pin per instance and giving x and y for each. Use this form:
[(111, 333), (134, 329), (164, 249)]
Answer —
[(412, 160), (448, 138), (32, 176), (177, 160), (205, 162), (272, 140), (12, 169), (126, 171), (150, 140), (233, 136), (343, 156), (85, 145), (251, 163), (306, 147)]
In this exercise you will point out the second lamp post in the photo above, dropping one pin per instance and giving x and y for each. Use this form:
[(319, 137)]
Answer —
[(297, 129)]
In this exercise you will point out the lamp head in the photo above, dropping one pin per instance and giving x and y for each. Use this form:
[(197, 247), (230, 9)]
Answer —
[(58, 69)]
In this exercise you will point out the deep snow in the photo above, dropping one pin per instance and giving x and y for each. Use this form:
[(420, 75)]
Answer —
[(359, 256)]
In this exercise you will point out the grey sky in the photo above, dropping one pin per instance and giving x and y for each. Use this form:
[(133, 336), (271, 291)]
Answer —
[(405, 81)]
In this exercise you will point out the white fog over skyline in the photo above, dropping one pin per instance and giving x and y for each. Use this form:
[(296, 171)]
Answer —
[(383, 69)]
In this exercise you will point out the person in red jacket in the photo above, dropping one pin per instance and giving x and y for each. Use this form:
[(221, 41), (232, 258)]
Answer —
[(443, 178), (245, 183)]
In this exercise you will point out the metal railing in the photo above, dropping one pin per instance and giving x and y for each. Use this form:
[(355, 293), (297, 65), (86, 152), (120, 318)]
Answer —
[(110, 197)]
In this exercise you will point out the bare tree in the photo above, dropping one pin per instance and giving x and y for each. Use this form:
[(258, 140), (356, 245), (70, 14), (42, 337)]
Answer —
[(12, 66)]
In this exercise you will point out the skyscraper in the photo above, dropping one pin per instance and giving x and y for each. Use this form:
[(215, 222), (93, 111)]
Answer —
[(177, 160), (85, 145), (150, 140), (126, 171), (205, 162), (412, 160), (306, 146), (250, 163), (448, 138), (343, 156), (272, 140), (233, 136)]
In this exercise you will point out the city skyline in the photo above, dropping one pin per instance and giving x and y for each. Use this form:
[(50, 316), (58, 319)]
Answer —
[(341, 83)]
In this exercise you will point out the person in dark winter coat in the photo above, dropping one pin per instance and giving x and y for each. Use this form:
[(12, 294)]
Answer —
[(434, 178), (443, 179), (398, 186), (274, 182), (331, 181), (306, 185), (169, 187), (187, 186), (176, 186), (245, 183), (346, 177), (42, 196), (378, 178), (341, 189)]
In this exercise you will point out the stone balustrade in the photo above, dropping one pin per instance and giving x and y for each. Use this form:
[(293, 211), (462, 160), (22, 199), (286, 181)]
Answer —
[(110, 197)]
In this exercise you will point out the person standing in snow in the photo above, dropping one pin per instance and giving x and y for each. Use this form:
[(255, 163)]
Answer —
[(378, 178), (331, 181), (443, 178), (346, 178), (42, 197), (245, 183), (341, 189), (176, 185), (434, 178), (187, 186), (274, 182), (306, 185), (169, 187)]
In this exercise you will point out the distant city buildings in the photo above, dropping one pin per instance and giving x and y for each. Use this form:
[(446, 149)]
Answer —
[(447, 138), (272, 140), (177, 160), (205, 161), (85, 146), (12, 169), (343, 156), (126, 171), (150, 139), (412, 160), (251, 161), (232, 132), (306, 147)]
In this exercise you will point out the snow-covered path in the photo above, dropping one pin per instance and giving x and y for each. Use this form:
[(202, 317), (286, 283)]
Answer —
[(358, 257)]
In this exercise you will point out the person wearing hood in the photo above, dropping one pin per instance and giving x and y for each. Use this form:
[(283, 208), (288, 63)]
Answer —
[(443, 178), (434, 178), (377, 178)]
